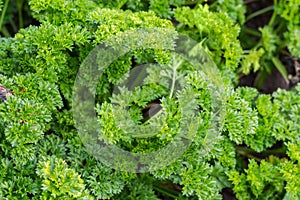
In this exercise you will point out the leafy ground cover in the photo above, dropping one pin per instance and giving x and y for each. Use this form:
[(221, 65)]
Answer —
[(255, 153)]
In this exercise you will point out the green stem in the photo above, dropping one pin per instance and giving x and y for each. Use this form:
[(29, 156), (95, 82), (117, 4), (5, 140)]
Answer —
[(249, 1), (272, 20), (281, 68), (173, 82), (190, 2), (248, 155), (164, 192), (260, 78), (20, 6), (251, 31), (269, 151), (5, 32), (3, 14), (259, 12), (259, 44), (13, 25), (174, 77), (120, 5), (280, 28)]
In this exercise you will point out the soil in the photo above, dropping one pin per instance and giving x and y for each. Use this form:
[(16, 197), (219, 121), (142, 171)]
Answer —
[(275, 79)]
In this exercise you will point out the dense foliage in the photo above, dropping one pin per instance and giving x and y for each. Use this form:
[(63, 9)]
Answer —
[(255, 152)]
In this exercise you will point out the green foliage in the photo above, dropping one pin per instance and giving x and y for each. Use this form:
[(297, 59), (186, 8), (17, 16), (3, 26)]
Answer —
[(59, 181), (215, 31), (204, 185), (24, 116), (290, 172), (39, 65), (252, 61), (60, 60), (17, 183), (165, 8), (269, 40), (235, 9), (58, 11), (274, 178), (293, 150), (241, 120), (102, 182), (288, 129), (269, 119), (263, 56), (42, 155), (139, 188), (271, 179), (115, 119), (260, 121), (162, 8), (293, 39), (260, 181), (289, 11)]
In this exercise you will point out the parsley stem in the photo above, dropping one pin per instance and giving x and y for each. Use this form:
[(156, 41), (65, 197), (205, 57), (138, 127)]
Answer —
[(3, 14), (260, 12), (281, 68), (173, 83), (245, 154), (164, 192), (249, 1), (13, 26), (273, 17), (19, 7), (251, 31), (174, 78), (280, 150), (5, 32)]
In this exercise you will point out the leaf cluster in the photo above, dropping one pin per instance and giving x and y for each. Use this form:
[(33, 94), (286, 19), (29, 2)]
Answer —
[(163, 9), (215, 31), (269, 179)]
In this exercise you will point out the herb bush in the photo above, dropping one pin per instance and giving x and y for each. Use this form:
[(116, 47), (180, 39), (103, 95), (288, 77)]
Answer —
[(256, 154)]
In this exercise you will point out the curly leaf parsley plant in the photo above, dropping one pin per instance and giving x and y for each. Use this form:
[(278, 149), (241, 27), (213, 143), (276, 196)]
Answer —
[(254, 153)]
